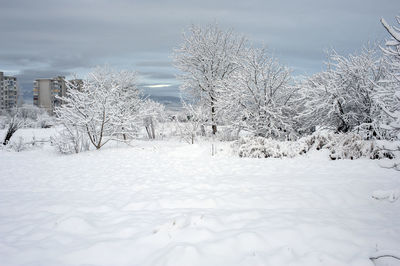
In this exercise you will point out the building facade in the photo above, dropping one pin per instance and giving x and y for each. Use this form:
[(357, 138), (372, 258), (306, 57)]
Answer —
[(45, 92), (8, 92)]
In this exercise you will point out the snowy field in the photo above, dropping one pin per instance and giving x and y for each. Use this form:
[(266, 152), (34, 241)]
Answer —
[(171, 203)]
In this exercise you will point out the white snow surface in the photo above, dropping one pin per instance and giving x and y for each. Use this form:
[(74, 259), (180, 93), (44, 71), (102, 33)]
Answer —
[(171, 203)]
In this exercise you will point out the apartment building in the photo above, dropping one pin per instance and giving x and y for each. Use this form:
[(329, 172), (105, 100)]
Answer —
[(8, 92), (46, 90)]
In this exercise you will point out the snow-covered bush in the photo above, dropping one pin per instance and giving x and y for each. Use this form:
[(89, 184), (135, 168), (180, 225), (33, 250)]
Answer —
[(70, 140), (18, 145), (33, 116), (36, 117), (353, 146), (192, 122), (3, 121), (259, 147), (228, 133), (154, 117), (340, 146)]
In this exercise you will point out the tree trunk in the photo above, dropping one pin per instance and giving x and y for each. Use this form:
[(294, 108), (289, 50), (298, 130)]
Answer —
[(214, 129), (153, 133), (203, 130), (123, 134), (10, 132), (213, 125)]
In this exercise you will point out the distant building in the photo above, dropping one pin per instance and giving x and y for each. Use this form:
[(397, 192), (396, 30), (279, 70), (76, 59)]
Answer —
[(46, 90), (8, 92)]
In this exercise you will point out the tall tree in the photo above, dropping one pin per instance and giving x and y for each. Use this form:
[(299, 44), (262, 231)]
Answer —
[(208, 57), (391, 102), (343, 96)]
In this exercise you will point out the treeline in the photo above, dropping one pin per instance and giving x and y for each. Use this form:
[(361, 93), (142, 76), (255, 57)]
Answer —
[(228, 82), (230, 87)]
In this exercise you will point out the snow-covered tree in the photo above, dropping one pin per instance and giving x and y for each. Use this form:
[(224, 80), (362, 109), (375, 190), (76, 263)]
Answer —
[(390, 102), (105, 106), (258, 95), (208, 57), (343, 96)]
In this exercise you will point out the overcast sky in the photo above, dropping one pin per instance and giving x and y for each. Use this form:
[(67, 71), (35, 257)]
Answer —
[(45, 38)]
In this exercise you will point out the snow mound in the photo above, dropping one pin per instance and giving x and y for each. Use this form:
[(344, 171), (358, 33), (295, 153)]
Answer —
[(75, 225), (389, 195)]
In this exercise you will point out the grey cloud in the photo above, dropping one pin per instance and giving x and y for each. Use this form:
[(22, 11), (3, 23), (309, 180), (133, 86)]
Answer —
[(56, 37), (154, 64)]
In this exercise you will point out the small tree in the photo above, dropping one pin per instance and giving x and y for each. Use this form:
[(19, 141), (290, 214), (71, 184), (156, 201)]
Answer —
[(258, 95), (104, 107)]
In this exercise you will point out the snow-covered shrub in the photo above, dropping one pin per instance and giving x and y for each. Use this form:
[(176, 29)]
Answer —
[(352, 146), (228, 134), (194, 125), (259, 147), (33, 117), (392, 147), (153, 118), (3, 121), (36, 117), (318, 140), (70, 140), (340, 146), (21, 144), (45, 121), (18, 145)]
